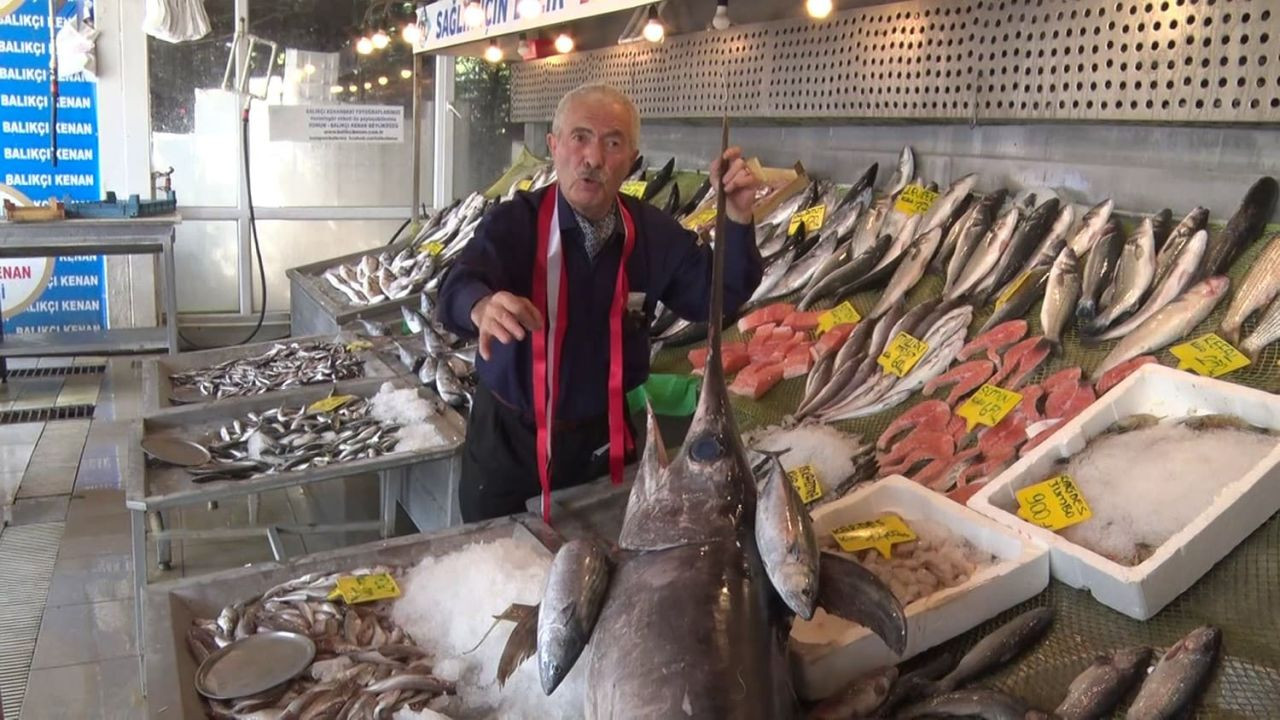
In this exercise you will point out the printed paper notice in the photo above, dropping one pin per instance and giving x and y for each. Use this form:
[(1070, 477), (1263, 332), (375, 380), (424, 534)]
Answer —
[(336, 123)]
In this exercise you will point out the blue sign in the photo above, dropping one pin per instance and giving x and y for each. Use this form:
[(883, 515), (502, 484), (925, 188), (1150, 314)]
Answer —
[(47, 294)]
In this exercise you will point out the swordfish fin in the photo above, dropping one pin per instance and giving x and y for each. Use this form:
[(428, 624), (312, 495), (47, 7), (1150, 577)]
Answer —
[(850, 591), (522, 641)]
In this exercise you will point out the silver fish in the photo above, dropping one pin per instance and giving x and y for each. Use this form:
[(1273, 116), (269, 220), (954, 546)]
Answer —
[(1134, 273), (940, 211), (282, 366), (859, 265), (1260, 286), (1099, 269), (986, 704), (909, 271), (1061, 295), (1172, 687), (1051, 247), (1181, 274), (1194, 222), (786, 541), (987, 254), (860, 698), (904, 173), (1091, 228), (973, 228), (1169, 324), (1033, 228), (1266, 332), (1096, 692), (576, 585)]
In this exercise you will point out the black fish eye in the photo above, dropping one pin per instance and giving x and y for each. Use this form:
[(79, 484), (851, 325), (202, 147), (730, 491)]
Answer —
[(707, 448)]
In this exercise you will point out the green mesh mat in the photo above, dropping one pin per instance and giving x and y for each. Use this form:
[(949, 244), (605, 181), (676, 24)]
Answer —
[(1241, 594)]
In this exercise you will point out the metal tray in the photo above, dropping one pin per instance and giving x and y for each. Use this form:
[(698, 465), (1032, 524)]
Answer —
[(254, 664), (314, 306), (158, 392), (158, 488)]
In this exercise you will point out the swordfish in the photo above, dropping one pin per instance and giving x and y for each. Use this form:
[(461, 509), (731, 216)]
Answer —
[(689, 616)]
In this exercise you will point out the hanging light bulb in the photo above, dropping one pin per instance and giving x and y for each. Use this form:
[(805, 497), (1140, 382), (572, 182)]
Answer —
[(473, 14), (352, 88), (368, 86), (493, 53), (364, 46), (411, 33), (523, 49), (721, 19), (380, 40), (406, 73), (654, 31), (818, 9), (564, 43), (336, 89), (529, 9), (382, 80)]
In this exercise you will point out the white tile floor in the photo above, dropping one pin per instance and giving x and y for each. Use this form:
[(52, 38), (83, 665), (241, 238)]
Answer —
[(65, 476)]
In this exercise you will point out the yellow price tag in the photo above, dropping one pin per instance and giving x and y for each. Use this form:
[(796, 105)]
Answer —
[(1209, 355), (902, 354), (988, 406), (634, 188), (812, 219), (805, 480), (1054, 504), (842, 314), (354, 589), (1013, 289), (882, 534), (700, 218), (914, 200), (331, 403), (358, 345), (525, 184), (432, 248)]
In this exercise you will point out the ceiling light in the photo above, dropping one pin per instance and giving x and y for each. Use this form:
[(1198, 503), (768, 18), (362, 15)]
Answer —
[(818, 9), (380, 40), (653, 29), (368, 86), (352, 88), (382, 80), (529, 9), (364, 46), (721, 20), (336, 89), (406, 73), (473, 15), (564, 43), (411, 33), (493, 53)]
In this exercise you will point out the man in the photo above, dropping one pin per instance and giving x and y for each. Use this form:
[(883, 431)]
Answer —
[(562, 334)]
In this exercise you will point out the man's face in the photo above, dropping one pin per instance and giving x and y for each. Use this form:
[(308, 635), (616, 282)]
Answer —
[(592, 153)]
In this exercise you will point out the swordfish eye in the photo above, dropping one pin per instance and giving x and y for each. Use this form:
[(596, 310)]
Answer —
[(707, 448)]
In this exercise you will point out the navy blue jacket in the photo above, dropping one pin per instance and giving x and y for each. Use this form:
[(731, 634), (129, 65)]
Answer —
[(666, 264)]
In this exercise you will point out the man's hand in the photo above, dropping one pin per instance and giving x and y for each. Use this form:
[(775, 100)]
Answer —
[(504, 317), (740, 185)]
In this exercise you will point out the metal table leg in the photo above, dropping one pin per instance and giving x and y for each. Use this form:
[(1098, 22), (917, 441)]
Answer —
[(171, 294), (164, 547), (255, 501), (391, 481), (138, 544)]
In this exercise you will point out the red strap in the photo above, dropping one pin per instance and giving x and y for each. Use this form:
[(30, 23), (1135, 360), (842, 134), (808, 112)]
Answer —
[(620, 440)]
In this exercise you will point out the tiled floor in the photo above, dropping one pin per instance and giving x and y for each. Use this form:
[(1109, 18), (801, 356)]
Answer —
[(67, 647)]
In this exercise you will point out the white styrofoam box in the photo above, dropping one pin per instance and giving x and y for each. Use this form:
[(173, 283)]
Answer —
[(1141, 591), (1021, 571)]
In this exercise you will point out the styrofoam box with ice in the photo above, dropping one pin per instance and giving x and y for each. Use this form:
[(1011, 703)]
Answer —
[(1241, 507), (1021, 571)]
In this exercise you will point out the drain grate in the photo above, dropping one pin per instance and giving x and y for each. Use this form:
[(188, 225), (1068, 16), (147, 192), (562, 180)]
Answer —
[(61, 371), (47, 414), (27, 555)]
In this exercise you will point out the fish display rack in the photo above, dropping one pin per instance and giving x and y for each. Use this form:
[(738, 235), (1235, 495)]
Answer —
[(169, 669), (316, 307), (134, 207), (158, 391)]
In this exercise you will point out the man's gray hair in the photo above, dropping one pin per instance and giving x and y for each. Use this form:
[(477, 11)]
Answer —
[(598, 91)]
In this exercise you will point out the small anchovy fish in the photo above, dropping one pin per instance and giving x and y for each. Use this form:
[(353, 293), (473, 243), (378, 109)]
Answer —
[(281, 367)]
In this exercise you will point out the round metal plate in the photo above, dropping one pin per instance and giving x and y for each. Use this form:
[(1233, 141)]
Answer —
[(254, 664), (183, 395), (176, 452)]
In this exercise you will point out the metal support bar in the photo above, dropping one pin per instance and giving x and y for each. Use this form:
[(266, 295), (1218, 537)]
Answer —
[(255, 501), (266, 530), (277, 546), (138, 531), (391, 482), (164, 550), (417, 138), (442, 180)]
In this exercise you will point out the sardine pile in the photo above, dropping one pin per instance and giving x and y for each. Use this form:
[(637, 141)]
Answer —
[(443, 361), (282, 367), (936, 560), (295, 438), (366, 666)]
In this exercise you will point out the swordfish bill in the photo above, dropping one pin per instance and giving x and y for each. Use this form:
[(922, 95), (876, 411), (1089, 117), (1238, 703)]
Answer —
[(698, 599)]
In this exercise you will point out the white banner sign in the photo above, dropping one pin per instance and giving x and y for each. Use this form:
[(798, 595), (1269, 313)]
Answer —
[(336, 123), (443, 24)]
